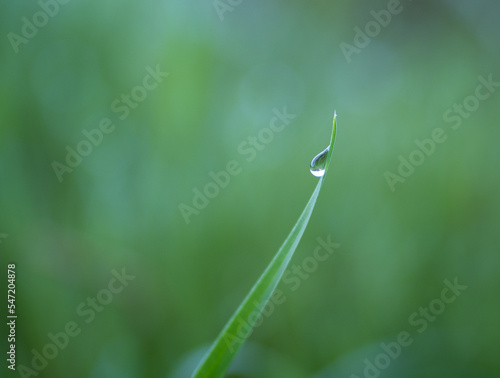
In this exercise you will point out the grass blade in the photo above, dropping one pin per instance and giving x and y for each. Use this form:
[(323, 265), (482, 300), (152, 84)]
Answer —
[(231, 338)]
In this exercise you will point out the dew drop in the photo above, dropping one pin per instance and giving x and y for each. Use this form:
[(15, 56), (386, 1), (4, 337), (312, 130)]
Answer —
[(319, 162)]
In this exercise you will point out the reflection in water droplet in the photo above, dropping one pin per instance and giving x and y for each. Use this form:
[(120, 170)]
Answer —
[(319, 162)]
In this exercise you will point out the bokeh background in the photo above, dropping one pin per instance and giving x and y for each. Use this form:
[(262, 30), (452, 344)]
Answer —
[(229, 65)]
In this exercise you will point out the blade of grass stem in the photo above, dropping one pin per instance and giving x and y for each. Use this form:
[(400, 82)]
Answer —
[(220, 355)]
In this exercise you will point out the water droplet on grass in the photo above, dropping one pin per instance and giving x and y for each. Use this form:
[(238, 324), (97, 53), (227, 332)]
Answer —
[(319, 162)]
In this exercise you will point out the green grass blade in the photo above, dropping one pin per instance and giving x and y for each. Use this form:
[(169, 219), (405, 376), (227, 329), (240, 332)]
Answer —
[(240, 325)]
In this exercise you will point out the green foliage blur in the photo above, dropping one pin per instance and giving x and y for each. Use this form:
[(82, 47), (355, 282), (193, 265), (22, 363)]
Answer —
[(109, 167)]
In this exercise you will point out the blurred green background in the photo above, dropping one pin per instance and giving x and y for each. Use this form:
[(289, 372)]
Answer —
[(229, 66)]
